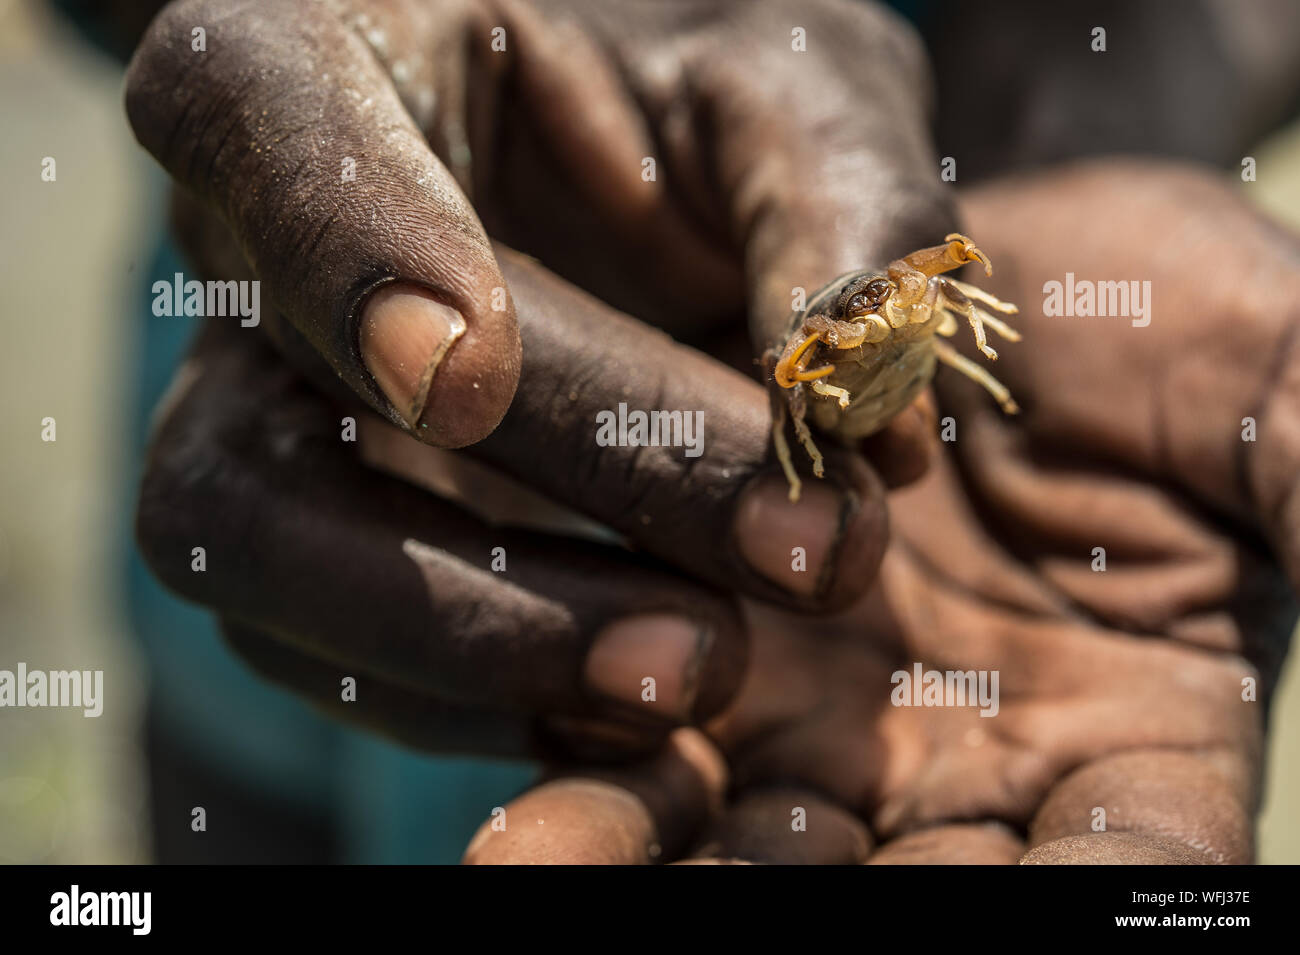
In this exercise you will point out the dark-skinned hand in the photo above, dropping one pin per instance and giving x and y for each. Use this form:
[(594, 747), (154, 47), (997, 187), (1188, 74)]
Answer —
[(322, 567), (1134, 696), (793, 228)]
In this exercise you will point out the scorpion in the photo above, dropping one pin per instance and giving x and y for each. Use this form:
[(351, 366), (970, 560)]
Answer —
[(866, 345)]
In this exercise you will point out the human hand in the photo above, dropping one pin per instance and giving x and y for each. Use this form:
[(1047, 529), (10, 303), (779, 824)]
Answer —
[(466, 632), (1127, 690), (721, 519)]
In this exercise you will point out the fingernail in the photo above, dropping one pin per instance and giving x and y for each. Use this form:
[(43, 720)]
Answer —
[(791, 545), (651, 661), (405, 335)]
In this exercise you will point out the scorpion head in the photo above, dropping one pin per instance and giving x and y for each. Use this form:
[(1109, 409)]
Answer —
[(863, 297)]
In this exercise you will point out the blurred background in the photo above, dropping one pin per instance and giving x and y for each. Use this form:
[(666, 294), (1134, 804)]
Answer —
[(74, 259)]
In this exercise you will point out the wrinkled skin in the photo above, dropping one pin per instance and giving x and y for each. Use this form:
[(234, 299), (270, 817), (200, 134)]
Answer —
[(750, 202)]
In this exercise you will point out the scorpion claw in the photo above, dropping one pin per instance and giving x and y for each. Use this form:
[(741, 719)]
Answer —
[(969, 251)]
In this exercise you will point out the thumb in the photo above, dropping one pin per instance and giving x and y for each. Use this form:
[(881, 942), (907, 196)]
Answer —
[(281, 117)]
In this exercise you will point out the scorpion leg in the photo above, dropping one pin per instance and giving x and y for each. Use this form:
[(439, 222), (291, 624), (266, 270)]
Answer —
[(783, 454), (977, 293), (961, 303), (948, 324), (798, 410), (992, 321), (832, 391), (999, 326), (835, 334), (954, 359), (777, 399)]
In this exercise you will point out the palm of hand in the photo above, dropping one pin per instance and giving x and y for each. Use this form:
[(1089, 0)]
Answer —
[(819, 707), (1129, 694)]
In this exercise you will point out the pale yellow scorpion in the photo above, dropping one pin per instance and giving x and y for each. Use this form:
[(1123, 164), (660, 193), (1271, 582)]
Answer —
[(870, 339)]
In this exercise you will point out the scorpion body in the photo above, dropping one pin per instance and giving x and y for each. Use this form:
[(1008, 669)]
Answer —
[(867, 344)]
